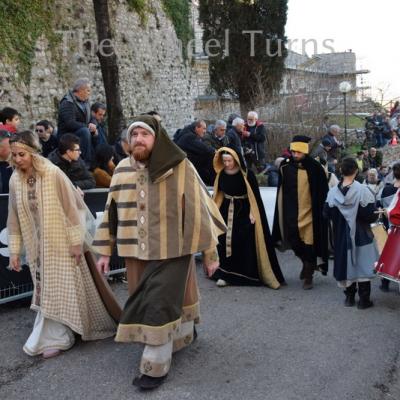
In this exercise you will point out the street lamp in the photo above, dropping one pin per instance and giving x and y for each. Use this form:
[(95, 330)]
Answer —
[(345, 88)]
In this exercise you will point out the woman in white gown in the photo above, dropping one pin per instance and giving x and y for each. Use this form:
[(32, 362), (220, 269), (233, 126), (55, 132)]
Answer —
[(46, 221)]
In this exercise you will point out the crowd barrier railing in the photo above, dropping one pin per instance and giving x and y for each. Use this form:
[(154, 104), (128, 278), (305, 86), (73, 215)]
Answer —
[(18, 285)]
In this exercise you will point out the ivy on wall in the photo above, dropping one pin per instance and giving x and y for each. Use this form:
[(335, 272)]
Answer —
[(22, 23), (140, 7), (178, 11)]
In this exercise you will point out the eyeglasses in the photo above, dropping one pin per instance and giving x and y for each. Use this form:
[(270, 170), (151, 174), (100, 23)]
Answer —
[(4, 134)]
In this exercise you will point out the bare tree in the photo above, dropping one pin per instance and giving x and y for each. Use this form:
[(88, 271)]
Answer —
[(296, 113), (109, 69)]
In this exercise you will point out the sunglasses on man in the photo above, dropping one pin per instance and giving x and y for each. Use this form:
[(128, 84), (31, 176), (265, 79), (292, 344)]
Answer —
[(4, 134)]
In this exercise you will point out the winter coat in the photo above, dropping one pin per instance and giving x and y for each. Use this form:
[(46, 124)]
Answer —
[(76, 171), (49, 146), (256, 141), (199, 153), (72, 114), (215, 142), (235, 139)]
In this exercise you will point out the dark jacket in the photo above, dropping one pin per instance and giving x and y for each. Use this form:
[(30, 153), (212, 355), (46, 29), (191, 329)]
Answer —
[(235, 139), (76, 171), (333, 153), (101, 137), (321, 153), (215, 142), (199, 153), (49, 146), (5, 175), (72, 114), (375, 162), (255, 142), (119, 153)]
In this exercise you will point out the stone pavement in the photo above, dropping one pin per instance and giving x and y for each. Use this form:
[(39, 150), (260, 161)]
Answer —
[(254, 343)]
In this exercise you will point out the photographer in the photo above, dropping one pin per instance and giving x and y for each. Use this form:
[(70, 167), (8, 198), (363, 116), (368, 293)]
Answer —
[(332, 137), (381, 129), (395, 123), (253, 142)]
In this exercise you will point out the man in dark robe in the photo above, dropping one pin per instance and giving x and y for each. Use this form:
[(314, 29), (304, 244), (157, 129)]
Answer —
[(298, 220)]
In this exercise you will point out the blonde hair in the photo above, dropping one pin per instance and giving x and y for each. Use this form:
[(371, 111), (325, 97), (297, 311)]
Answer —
[(29, 141)]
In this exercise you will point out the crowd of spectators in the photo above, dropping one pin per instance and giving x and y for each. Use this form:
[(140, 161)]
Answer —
[(200, 144), (78, 143), (382, 128)]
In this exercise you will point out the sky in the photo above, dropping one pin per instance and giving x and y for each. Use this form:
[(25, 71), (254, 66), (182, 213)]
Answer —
[(370, 28)]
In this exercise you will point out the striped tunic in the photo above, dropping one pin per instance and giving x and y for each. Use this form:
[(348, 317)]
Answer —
[(169, 218)]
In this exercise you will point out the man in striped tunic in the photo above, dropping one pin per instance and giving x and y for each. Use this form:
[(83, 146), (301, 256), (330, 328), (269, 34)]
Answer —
[(159, 214)]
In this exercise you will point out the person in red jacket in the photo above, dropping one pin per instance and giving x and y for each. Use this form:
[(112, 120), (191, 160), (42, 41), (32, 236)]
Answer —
[(10, 119)]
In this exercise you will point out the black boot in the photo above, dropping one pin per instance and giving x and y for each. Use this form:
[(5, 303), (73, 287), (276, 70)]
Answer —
[(384, 285), (364, 292), (146, 382), (308, 275), (350, 293), (302, 272), (194, 334)]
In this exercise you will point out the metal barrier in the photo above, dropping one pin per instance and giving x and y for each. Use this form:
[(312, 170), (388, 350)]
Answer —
[(16, 292), (18, 285)]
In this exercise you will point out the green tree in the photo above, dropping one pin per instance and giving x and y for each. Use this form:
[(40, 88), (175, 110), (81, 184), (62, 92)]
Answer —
[(248, 66)]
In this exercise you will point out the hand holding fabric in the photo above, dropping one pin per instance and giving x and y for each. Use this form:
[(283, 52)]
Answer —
[(103, 264), (15, 263), (76, 251)]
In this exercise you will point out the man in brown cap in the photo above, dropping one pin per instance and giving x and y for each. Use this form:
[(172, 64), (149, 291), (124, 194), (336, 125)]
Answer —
[(159, 214)]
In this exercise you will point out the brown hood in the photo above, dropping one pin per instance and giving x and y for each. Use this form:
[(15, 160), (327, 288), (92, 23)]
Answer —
[(165, 154), (218, 163)]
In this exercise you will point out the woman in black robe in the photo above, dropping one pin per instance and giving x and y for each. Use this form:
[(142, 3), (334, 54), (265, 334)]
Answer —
[(246, 254)]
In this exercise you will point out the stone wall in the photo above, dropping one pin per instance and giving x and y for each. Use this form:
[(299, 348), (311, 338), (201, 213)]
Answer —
[(391, 154), (153, 74), (210, 108)]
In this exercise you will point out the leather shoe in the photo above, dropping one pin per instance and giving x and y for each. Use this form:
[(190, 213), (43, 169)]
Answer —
[(362, 305), (301, 277), (194, 334), (308, 284), (146, 382)]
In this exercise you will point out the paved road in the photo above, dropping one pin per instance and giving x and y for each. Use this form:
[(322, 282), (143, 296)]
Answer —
[(254, 343)]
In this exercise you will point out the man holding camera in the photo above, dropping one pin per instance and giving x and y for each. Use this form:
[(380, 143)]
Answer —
[(253, 141)]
